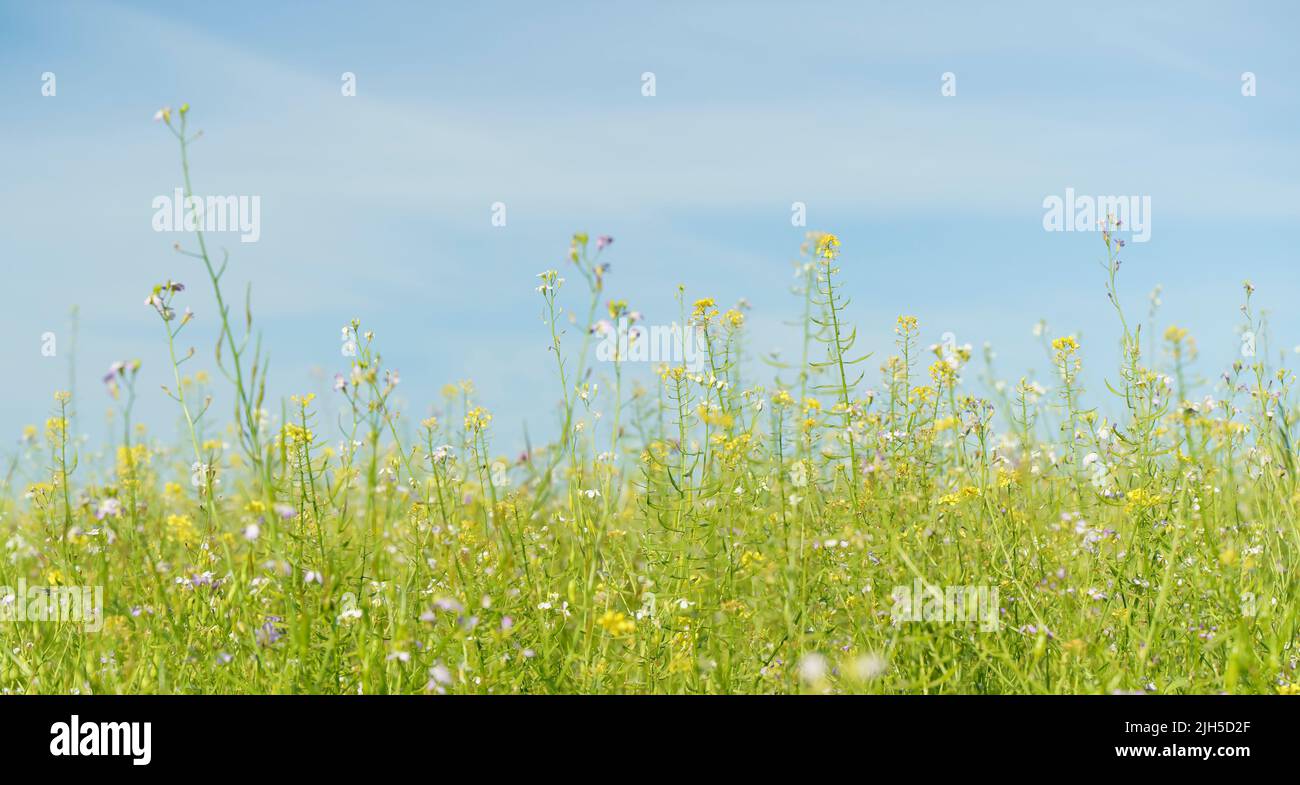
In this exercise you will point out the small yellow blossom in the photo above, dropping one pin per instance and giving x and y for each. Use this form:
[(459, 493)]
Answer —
[(616, 623), (828, 246), (477, 419)]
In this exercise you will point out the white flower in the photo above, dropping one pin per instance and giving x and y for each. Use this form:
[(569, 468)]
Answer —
[(812, 668), (868, 667), (439, 674)]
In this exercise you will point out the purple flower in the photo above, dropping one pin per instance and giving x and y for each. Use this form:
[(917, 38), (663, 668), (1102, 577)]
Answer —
[(448, 604), (603, 242), (204, 579), (438, 676), (108, 507), (269, 633)]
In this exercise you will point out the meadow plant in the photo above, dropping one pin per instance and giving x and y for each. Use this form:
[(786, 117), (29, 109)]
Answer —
[(713, 534)]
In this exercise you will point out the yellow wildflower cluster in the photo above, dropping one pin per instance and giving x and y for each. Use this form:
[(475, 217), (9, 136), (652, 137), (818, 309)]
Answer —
[(672, 373), (477, 419), (943, 373), (616, 623), (828, 247), (55, 428), (732, 451), (704, 309), (1065, 346), (292, 433), (1140, 499), (182, 528)]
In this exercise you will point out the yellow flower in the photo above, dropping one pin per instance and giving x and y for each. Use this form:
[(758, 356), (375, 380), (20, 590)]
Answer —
[(55, 427), (296, 434), (477, 419), (128, 461), (828, 246), (1141, 499), (183, 528), (616, 623), (675, 373), (704, 308), (943, 373), (714, 416), (1065, 345)]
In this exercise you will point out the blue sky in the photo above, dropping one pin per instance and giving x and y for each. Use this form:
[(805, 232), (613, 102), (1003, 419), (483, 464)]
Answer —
[(378, 206)]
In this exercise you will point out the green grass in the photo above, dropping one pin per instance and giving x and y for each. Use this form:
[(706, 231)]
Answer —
[(707, 533)]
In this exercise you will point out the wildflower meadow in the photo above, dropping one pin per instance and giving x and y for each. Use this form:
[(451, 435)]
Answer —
[(695, 522)]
